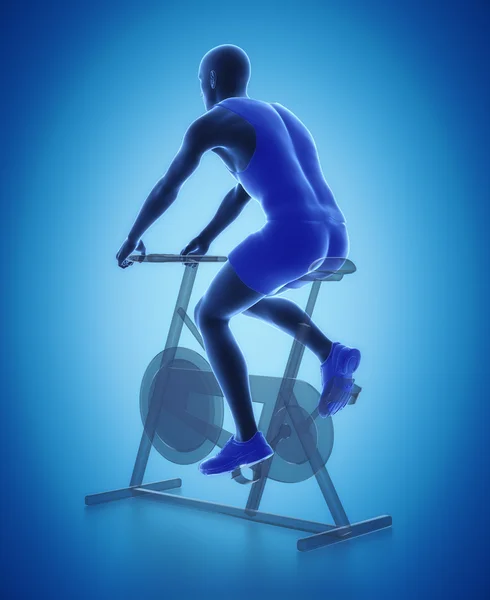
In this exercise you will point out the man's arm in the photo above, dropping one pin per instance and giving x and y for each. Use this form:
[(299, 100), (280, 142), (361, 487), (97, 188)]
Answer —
[(197, 140), (231, 206)]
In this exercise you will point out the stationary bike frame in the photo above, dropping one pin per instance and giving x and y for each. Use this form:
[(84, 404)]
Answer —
[(323, 534)]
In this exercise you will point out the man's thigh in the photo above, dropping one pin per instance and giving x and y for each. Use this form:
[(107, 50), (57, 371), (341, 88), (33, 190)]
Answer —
[(227, 295)]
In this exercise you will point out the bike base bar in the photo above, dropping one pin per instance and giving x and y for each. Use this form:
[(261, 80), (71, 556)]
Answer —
[(324, 534)]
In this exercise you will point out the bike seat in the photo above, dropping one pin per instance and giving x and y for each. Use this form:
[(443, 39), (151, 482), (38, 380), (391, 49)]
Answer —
[(329, 269)]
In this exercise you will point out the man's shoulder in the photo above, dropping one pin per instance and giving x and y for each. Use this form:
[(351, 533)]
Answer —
[(281, 109), (210, 123), (214, 116), (217, 127)]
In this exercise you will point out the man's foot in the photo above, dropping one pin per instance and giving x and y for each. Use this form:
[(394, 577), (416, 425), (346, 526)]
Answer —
[(337, 380), (237, 454)]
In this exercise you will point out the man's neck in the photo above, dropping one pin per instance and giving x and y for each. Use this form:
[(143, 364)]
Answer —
[(233, 95)]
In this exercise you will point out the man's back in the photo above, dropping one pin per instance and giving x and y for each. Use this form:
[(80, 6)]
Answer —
[(284, 173)]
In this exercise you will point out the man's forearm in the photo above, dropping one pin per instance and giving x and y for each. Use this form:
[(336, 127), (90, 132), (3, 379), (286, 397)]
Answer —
[(160, 198), (228, 211)]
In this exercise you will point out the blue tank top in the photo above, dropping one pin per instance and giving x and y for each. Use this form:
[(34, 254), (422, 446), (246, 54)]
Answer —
[(284, 174)]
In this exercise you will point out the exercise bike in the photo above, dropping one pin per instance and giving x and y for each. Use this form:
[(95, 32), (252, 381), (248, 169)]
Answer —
[(182, 411)]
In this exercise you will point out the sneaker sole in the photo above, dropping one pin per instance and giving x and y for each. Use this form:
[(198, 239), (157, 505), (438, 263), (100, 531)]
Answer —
[(250, 464), (337, 392)]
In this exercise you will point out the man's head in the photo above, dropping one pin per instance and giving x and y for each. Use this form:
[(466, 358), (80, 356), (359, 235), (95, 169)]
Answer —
[(224, 72)]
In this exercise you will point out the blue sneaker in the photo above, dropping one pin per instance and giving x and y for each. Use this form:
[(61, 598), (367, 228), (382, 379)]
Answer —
[(237, 454), (337, 380)]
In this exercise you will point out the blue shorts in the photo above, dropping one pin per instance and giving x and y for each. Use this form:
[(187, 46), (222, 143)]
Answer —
[(277, 255)]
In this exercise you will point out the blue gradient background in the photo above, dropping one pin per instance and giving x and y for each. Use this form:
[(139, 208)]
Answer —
[(96, 98)]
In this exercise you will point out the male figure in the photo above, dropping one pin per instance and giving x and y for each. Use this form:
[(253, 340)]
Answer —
[(274, 159)]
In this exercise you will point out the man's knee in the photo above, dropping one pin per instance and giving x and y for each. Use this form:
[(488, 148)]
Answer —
[(206, 314)]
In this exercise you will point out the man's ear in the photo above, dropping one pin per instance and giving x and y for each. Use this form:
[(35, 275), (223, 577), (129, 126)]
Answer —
[(212, 79)]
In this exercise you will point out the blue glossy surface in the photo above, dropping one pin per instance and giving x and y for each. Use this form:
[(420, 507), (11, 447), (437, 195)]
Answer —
[(96, 99)]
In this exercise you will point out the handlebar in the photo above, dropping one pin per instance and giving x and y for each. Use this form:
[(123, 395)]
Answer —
[(189, 258)]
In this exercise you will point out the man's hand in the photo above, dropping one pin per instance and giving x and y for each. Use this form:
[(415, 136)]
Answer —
[(126, 249), (198, 246)]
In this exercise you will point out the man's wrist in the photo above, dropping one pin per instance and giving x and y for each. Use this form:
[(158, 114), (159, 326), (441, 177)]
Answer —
[(133, 238), (206, 237)]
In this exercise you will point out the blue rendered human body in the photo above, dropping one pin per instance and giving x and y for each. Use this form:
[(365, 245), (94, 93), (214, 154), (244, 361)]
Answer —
[(284, 175), (273, 157)]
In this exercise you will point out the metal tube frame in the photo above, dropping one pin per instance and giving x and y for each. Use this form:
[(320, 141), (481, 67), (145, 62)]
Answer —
[(323, 534)]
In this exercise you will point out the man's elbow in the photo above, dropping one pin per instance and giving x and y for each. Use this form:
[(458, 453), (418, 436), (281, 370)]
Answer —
[(165, 190)]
